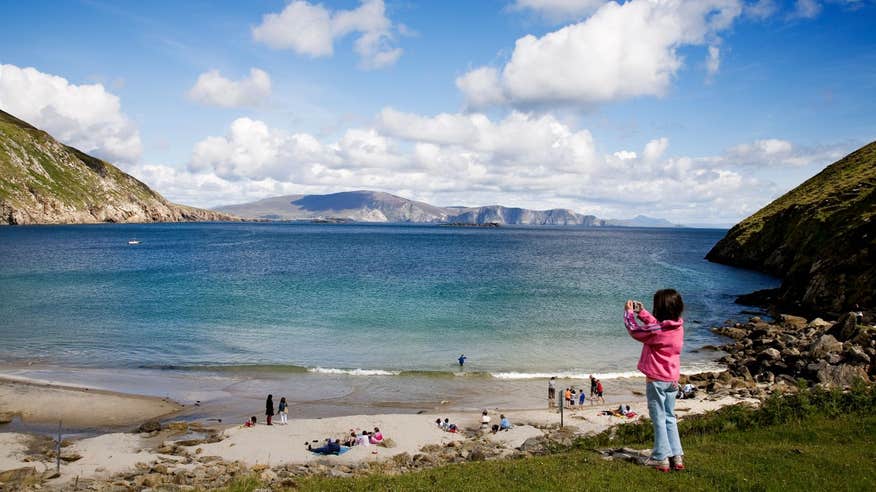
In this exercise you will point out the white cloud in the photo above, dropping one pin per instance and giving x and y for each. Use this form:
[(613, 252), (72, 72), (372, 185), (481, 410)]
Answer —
[(84, 116), (713, 60), (311, 29), (620, 52), (559, 10), (806, 9), (782, 153), (213, 89), (761, 9), (524, 159)]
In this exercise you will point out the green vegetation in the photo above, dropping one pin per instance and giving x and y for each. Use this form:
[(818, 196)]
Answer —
[(812, 440)]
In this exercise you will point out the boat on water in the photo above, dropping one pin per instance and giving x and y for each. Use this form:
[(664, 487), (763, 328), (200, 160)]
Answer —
[(133, 242)]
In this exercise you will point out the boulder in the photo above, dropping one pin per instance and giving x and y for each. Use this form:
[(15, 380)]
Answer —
[(17, 474), (734, 333), (532, 445), (771, 354), (5, 417), (795, 322), (826, 344), (820, 324), (841, 376), (856, 355), (846, 328), (150, 426), (477, 455)]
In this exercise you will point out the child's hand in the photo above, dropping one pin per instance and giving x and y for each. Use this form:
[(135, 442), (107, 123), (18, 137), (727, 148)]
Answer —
[(629, 305)]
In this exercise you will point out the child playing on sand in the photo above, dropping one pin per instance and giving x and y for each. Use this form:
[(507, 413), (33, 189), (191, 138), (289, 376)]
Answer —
[(662, 338), (251, 422)]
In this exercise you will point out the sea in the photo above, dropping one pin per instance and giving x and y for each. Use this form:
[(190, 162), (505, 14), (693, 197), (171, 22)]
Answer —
[(347, 318)]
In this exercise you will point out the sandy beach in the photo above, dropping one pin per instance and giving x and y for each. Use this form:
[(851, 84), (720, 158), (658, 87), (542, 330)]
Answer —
[(113, 453), (41, 402)]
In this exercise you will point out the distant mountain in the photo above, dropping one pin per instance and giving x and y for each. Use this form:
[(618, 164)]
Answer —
[(640, 221), (819, 237), (375, 206), (45, 182)]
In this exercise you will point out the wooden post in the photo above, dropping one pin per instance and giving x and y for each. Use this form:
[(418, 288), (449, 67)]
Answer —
[(562, 404), (58, 450)]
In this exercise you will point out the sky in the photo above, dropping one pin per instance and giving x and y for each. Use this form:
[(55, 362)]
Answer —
[(699, 112)]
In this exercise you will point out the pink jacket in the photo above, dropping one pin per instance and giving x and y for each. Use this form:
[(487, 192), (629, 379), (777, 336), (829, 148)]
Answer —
[(662, 342)]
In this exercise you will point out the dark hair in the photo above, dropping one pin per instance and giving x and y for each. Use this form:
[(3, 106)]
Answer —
[(668, 305)]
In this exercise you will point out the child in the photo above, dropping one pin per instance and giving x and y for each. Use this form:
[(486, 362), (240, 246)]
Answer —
[(282, 409), (504, 424), (251, 422), (662, 338), (376, 437)]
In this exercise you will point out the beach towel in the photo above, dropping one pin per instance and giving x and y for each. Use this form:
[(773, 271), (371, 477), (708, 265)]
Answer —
[(343, 450)]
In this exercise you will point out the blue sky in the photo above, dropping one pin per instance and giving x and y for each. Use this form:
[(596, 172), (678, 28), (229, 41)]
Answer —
[(700, 112)]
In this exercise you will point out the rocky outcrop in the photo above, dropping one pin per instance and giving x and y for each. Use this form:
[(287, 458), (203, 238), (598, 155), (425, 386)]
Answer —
[(793, 349), (43, 181), (820, 238)]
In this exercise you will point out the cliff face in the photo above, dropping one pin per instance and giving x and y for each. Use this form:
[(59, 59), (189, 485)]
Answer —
[(45, 182), (819, 237)]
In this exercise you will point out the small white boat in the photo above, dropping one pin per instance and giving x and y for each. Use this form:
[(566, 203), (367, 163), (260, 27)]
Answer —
[(133, 242)]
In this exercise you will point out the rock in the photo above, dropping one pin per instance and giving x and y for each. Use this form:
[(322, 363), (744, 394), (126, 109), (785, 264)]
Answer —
[(846, 328), (532, 445), (477, 455), (70, 457), (17, 474), (771, 354), (825, 345), (402, 459), (150, 426), (6, 417), (734, 333), (335, 473), (160, 468), (149, 480), (794, 322), (820, 324), (268, 476), (841, 376), (856, 355)]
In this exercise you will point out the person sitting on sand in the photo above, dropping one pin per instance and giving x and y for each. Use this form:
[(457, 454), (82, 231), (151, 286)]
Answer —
[(376, 437), (351, 440), (446, 424), (363, 439), (251, 422), (332, 446), (440, 424), (485, 421), (504, 424)]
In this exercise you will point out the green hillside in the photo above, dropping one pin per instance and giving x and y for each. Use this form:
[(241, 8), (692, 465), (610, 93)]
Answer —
[(819, 237), (45, 182)]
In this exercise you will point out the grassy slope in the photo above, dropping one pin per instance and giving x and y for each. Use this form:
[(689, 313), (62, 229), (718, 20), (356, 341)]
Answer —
[(71, 175), (835, 181), (812, 441)]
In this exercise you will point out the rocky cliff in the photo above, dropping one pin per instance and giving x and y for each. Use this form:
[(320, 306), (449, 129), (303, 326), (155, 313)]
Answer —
[(820, 238), (45, 182)]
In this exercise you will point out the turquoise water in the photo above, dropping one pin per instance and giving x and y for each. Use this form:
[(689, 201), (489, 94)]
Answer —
[(364, 299)]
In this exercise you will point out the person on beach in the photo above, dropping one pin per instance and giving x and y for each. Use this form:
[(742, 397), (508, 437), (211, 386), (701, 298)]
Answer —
[(485, 420), (269, 408), (599, 390), (251, 422), (662, 338), (567, 396), (461, 360), (581, 397), (504, 424), (592, 388), (332, 446), (376, 437), (552, 391), (283, 409)]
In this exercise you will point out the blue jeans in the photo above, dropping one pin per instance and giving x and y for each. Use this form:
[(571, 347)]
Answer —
[(661, 408)]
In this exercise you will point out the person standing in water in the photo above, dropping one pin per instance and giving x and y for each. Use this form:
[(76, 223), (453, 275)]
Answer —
[(269, 408), (461, 359), (662, 338)]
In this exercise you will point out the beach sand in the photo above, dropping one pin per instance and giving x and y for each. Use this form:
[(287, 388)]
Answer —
[(39, 402), (112, 453)]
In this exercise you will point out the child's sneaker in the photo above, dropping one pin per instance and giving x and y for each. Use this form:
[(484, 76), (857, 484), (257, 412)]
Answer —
[(677, 462), (659, 465)]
